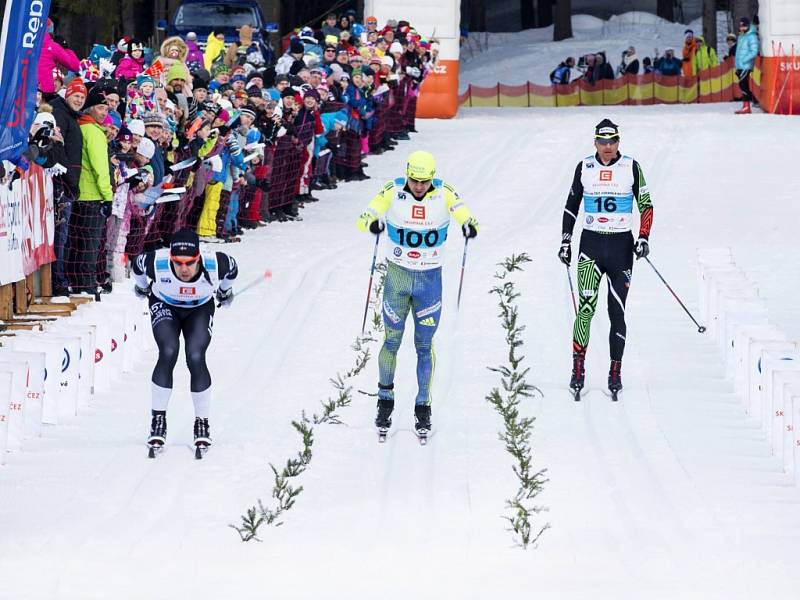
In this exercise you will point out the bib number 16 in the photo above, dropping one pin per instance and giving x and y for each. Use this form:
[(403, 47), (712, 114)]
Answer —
[(605, 204)]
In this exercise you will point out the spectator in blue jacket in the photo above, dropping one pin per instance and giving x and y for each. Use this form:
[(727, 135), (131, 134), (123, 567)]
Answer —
[(560, 75), (747, 47), (668, 64)]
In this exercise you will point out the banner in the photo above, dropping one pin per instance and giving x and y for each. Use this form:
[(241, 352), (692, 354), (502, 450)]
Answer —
[(27, 228), (24, 26)]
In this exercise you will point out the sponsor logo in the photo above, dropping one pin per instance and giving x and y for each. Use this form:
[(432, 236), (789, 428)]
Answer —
[(440, 69), (65, 360), (390, 314), (429, 322), (418, 212), (401, 196), (113, 344), (589, 219), (98, 355), (430, 310), (587, 293), (165, 280), (602, 219), (187, 290), (398, 251), (606, 175), (413, 254), (590, 165)]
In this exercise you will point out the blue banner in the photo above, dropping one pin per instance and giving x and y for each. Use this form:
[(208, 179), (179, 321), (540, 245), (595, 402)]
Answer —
[(24, 26)]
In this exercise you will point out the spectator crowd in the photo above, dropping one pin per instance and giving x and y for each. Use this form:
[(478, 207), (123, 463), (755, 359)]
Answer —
[(221, 138)]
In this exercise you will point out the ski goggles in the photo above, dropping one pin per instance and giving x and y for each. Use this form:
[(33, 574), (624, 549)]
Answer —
[(606, 141), (186, 261)]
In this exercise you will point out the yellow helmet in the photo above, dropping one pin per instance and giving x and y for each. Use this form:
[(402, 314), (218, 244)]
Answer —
[(421, 166)]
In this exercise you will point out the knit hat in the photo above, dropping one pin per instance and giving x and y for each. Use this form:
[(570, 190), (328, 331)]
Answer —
[(388, 61), (43, 117), (125, 134), (357, 72), (177, 71), (136, 127), (312, 93), (191, 36), (122, 45), (199, 83), (254, 92), (396, 47), (288, 92), (281, 79), (296, 46), (116, 120), (606, 130), (238, 77), (135, 44), (76, 86), (141, 79), (96, 96), (146, 148), (249, 110), (219, 68), (185, 243), (152, 120), (331, 40), (744, 22)]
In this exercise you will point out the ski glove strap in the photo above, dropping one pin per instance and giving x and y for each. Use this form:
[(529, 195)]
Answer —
[(224, 297), (377, 227), (142, 292), (565, 253), (641, 248)]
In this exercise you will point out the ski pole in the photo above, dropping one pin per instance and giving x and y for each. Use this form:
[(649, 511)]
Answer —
[(463, 264), (571, 290), (700, 328), (260, 279), (369, 288)]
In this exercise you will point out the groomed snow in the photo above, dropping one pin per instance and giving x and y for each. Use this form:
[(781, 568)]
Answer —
[(668, 494), (530, 55)]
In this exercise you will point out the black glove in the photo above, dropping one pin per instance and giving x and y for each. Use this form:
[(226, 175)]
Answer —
[(105, 209), (377, 227), (143, 293), (565, 253), (641, 248), (469, 231), (224, 297)]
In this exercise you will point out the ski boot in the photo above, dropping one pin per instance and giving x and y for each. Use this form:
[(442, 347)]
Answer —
[(745, 110), (158, 433), (422, 422), (383, 420), (578, 375), (202, 437), (615, 379)]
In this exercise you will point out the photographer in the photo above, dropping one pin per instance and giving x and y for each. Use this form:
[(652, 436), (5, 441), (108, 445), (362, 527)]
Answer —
[(45, 143)]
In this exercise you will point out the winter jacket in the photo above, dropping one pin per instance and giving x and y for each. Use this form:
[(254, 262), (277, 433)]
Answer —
[(747, 48), (53, 56), (129, 67), (67, 121), (603, 71), (668, 66), (689, 50), (95, 180), (704, 58), (213, 49), (560, 74), (195, 55)]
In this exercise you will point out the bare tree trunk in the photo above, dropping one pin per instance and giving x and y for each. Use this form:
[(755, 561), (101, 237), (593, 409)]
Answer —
[(665, 9), (710, 23), (563, 24), (527, 14), (544, 13)]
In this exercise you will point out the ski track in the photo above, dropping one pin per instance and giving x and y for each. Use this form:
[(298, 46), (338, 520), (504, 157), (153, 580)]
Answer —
[(642, 493)]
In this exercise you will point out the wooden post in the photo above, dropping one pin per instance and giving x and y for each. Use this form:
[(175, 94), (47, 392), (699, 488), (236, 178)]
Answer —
[(46, 280), (21, 296), (6, 301)]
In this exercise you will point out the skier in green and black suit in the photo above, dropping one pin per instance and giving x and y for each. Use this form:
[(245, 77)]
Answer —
[(608, 183)]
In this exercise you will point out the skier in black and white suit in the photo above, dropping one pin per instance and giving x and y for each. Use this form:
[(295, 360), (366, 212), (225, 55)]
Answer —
[(181, 283)]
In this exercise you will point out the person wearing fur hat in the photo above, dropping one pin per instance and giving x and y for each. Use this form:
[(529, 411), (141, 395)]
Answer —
[(173, 50), (54, 55), (131, 65)]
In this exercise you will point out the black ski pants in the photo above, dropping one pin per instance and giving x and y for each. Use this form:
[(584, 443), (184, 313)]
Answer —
[(609, 254), (196, 323)]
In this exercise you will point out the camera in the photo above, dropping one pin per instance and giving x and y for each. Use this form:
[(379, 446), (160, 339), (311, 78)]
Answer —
[(124, 156), (43, 135)]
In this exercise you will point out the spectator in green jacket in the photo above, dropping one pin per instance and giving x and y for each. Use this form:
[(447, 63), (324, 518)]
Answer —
[(89, 212), (705, 57)]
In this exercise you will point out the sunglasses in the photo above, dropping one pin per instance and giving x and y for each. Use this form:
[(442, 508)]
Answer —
[(607, 141), (186, 261)]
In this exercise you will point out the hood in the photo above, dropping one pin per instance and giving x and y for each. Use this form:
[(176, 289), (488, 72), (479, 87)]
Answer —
[(183, 49)]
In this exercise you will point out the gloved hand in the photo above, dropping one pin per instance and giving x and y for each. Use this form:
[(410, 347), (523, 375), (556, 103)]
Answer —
[(641, 248), (224, 297), (469, 230), (105, 209), (377, 226), (565, 253), (142, 292)]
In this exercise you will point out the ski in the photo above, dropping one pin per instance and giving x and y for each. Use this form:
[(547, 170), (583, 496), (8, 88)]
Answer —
[(200, 450), (153, 450), (615, 395), (576, 394), (382, 433), (422, 436)]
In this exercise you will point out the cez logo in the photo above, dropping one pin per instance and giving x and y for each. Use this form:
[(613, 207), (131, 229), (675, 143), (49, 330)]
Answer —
[(606, 175), (418, 212), (65, 360)]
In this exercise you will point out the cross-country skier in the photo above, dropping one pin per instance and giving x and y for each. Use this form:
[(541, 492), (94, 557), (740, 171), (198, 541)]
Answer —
[(180, 283), (415, 210), (607, 183)]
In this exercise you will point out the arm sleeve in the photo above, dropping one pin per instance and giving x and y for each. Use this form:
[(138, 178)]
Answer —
[(227, 271), (144, 268), (377, 206), (573, 205), (457, 207), (642, 195)]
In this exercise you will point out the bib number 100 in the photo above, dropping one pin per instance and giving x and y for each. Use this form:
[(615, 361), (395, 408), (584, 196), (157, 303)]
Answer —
[(415, 239)]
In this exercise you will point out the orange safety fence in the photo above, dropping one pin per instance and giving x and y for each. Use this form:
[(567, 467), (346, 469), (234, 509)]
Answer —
[(717, 84)]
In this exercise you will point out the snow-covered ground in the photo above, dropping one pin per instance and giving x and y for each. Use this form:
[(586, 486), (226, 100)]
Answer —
[(668, 494), (530, 55)]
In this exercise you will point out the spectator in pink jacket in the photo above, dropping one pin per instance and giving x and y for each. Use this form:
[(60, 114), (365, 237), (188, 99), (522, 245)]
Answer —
[(54, 55), (133, 64)]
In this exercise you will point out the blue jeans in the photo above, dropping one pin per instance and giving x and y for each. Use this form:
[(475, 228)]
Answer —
[(405, 291)]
